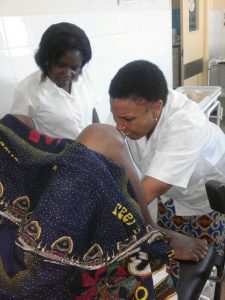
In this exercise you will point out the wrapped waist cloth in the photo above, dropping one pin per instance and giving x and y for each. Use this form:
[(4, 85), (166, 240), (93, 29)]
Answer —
[(70, 227)]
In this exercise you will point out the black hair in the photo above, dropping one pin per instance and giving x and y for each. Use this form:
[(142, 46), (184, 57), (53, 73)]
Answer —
[(57, 40), (137, 80)]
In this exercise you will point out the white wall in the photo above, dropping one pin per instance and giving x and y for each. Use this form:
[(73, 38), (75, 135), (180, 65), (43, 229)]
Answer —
[(119, 32), (217, 33)]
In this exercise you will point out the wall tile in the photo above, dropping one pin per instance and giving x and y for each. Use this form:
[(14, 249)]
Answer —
[(6, 73), (67, 6), (100, 5), (78, 19), (3, 43), (25, 7), (23, 61), (118, 34), (7, 92), (58, 18), (17, 32), (37, 24), (94, 23)]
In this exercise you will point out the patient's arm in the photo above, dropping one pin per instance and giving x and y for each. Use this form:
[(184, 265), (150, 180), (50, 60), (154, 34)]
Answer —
[(27, 121), (106, 140)]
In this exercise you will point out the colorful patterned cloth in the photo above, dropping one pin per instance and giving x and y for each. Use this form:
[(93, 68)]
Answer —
[(70, 227), (210, 227)]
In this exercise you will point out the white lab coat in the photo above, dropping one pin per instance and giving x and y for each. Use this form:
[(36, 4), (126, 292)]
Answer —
[(54, 111), (185, 150)]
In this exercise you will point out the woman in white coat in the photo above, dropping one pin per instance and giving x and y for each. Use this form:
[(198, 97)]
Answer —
[(175, 146), (58, 100)]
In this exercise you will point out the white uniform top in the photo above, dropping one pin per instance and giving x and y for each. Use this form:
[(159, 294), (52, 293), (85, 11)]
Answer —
[(185, 150), (54, 111)]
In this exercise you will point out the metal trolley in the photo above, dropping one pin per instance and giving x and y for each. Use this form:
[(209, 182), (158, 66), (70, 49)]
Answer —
[(207, 99)]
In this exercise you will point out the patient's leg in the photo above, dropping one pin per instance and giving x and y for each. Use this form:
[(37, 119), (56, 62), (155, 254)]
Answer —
[(106, 140)]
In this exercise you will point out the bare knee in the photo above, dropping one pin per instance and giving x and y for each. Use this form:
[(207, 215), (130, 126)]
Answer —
[(102, 138)]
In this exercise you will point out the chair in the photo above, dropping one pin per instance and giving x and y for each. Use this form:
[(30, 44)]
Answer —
[(193, 276)]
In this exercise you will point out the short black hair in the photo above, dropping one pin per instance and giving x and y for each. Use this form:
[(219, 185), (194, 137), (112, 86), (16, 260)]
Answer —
[(137, 80), (57, 40)]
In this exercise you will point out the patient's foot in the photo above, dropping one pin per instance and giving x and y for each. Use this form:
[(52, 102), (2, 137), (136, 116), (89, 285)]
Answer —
[(187, 248)]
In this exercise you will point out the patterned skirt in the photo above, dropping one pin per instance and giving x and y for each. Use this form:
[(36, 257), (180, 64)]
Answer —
[(210, 227)]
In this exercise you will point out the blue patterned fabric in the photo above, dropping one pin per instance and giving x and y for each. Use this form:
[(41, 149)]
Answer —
[(210, 227), (68, 214)]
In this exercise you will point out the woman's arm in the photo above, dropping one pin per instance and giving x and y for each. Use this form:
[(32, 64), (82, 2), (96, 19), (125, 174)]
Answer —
[(154, 188)]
